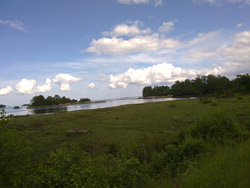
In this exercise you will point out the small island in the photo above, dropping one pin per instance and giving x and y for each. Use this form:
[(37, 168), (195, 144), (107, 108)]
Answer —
[(40, 101), (2, 106)]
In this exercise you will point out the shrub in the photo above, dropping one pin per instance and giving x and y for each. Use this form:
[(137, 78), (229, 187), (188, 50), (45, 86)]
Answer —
[(217, 128), (192, 148), (206, 101), (213, 104), (75, 168), (240, 98)]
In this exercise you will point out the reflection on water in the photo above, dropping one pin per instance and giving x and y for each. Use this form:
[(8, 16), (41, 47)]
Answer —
[(109, 103), (50, 110)]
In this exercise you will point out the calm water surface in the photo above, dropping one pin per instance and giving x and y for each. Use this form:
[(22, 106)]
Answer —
[(108, 103)]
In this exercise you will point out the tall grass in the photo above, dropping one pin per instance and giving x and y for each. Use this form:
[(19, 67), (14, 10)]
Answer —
[(227, 167)]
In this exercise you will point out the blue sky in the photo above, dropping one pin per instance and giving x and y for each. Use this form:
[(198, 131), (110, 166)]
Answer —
[(105, 49)]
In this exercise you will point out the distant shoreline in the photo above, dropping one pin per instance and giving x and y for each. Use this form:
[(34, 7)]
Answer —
[(66, 104), (156, 97)]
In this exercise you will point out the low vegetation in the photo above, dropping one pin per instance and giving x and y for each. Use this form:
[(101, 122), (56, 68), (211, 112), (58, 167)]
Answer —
[(167, 144)]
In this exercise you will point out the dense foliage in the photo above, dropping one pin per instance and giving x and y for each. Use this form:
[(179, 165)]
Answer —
[(40, 100), (84, 100), (202, 85), (2, 106)]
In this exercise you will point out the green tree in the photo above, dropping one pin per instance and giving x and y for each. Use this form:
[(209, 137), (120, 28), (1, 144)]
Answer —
[(38, 101), (147, 91)]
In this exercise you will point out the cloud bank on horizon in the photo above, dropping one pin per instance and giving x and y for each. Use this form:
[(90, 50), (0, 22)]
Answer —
[(157, 48)]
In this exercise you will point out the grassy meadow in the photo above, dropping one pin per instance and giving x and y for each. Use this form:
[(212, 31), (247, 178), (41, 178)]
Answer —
[(160, 144)]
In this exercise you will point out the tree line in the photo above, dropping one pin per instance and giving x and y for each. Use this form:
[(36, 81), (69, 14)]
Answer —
[(40, 100), (201, 86)]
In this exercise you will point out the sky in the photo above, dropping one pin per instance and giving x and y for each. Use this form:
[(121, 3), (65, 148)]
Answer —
[(103, 49)]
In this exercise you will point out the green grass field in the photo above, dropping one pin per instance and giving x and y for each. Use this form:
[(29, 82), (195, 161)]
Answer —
[(124, 124), (144, 130)]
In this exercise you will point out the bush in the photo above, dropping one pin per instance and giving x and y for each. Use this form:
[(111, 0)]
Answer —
[(192, 148), (240, 98), (217, 128), (75, 168), (206, 101), (214, 104)]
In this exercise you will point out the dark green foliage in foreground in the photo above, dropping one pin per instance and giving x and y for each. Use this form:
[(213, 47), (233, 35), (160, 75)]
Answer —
[(50, 101), (202, 85), (149, 145), (74, 168), (227, 167), (218, 128), (14, 153)]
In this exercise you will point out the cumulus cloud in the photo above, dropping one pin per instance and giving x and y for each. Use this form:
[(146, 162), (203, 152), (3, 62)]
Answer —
[(30, 86), (6, 91), (137, 40), (120, 46), (161, 73), (128, 30), (14, 24), (65, 80), (130, 2), (166, 27), (91, 86), (157, 74)]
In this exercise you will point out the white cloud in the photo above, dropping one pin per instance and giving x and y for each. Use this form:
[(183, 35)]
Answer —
[(128, 30), (209, 39), (219, 2), (14, 24), (130, 2), (65, 80), (166, 27), (91, 86), (240, 24), (137, 40), (6, 91), (233, 57), (30, 86), (237, 51), (120, 46), (161, 73)]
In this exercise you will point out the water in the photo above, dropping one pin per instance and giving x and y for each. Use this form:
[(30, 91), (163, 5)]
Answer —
[(108, 103)]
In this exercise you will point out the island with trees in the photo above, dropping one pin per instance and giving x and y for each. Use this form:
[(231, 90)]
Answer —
[(2, 106), (41, 101)]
